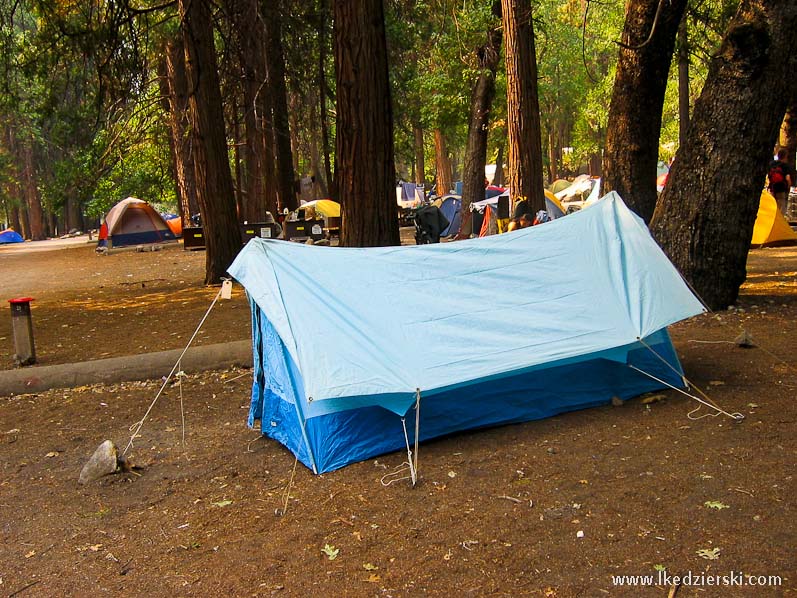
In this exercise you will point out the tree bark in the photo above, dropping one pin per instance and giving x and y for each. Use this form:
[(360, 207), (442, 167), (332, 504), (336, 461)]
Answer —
[(176, 89), (442, 164), (259, 190), (420, 166), (212, 166), (323, 92), (683, 82), (522, 105), (364, 165), (481, 104), (280, 125), (704, 219), (31, 191), (634, 125)]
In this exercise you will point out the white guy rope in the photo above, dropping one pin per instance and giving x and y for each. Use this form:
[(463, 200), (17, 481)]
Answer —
[(136, 427)]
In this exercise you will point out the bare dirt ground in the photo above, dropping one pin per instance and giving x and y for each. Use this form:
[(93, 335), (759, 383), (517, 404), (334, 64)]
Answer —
[(496, 512)]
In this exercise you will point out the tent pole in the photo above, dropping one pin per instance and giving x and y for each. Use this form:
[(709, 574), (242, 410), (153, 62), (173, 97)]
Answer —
[(417, 431)]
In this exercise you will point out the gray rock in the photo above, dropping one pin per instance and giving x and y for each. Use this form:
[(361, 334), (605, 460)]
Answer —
[(103, 462)]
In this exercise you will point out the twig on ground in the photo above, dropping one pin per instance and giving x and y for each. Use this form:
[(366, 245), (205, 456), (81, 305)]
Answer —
[(23, 588)]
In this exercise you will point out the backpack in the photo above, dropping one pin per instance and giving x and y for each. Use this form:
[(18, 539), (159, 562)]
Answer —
[(776, 176)]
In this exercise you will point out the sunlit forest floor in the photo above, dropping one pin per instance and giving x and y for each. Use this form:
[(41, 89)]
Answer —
[(546, 508)]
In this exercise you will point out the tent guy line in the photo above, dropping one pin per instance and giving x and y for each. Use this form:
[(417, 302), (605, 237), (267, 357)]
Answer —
[(136, 427)]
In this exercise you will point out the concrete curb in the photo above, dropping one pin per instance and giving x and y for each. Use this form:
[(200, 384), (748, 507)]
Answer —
[(120, 369)]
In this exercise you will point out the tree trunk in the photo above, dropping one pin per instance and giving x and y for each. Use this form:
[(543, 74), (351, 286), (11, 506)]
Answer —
[(522, 105), (177, 95), (279, 95), (212, 166), (442, 164), (323, 92), (704, 219), (259, 193), (683, 82), (420, 166), (31, 191), (632, 139), (73, 215), (364, 165), (481, 104)]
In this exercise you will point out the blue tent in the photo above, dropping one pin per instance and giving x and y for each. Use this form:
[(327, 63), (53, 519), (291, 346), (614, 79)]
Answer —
[(451, 206), (10, 236), (487, 331)]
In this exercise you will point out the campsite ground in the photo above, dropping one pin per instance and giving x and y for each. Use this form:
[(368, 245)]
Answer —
[(496, 513)]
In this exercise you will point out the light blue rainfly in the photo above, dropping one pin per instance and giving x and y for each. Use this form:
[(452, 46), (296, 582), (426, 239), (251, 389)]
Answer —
[(338, 330)]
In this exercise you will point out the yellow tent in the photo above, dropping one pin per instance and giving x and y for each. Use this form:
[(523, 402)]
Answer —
[(553, 199), (324, 207), (771, 227)]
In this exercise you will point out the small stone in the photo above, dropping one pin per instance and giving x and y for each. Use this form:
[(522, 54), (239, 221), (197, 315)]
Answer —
[(579, 534), (744, 340), (551, 450), (103, 462)]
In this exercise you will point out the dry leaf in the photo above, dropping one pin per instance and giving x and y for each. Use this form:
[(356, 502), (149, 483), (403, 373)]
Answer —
[(373, 578), (653, 399)]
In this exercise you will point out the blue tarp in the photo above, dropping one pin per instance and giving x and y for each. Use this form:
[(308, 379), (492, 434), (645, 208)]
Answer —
[(494, 330), (10, 236)]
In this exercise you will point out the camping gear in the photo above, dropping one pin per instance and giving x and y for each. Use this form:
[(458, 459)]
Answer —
[(451, 206), (322, 207), (326, 210), (175, 223), (9, 235), (429, 222), (771, 226), (409, 195), (559, 185), (348, 343), (134, 222)]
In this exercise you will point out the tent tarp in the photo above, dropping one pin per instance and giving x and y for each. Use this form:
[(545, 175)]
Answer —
[(339, 356), (9, 235), (134, 222), (771, 227)]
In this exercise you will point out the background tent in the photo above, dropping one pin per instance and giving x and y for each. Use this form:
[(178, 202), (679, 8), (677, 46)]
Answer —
[(339, 359), (451, 206), (134, 222), (324, 207), (559, 185), (9, 235), (771, 226), (175, 223)]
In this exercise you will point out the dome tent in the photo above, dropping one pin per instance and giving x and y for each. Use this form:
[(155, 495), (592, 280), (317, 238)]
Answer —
[(134, 222)]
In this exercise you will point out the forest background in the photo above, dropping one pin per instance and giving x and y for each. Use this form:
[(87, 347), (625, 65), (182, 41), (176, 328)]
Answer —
[(220, 107)]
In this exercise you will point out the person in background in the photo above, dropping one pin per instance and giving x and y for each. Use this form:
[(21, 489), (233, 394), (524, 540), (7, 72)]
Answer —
[(780, 178), (522, 221)]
